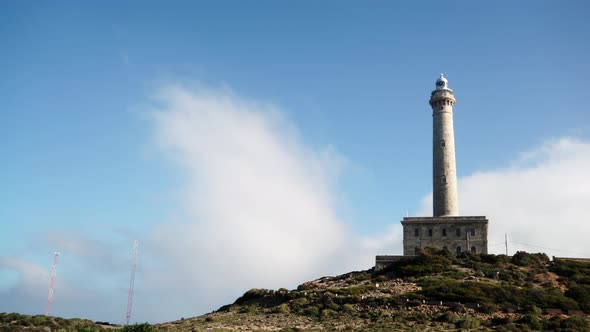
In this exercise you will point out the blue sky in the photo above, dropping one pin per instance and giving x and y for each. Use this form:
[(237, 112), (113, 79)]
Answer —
[(84, 156)]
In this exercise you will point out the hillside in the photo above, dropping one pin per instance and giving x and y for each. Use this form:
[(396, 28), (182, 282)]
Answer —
[(435, 291)]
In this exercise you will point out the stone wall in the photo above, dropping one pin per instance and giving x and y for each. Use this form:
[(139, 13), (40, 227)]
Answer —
[(457, 234), (383, 261), (577, 259)]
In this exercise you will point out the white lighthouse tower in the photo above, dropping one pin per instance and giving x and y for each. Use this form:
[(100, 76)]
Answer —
[(446, 229), (444, 169)]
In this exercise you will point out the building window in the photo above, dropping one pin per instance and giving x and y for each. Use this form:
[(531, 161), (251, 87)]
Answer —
[(458, 250), (458, 232), (443, 179), (430, 232), (444, 232), (442, 143), (416, 232), (472, 231), (474, 250)]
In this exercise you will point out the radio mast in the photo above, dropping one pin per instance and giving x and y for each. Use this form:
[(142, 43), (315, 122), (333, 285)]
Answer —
[(132, 281), (51, 284)]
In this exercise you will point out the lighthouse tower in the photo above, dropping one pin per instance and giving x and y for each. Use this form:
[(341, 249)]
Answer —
[(444, 169), (446, 229)]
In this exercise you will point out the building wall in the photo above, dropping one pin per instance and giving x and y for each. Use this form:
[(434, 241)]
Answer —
[(429, 232)]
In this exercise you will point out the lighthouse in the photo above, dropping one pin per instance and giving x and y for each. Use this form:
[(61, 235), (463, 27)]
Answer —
[(446, 229)]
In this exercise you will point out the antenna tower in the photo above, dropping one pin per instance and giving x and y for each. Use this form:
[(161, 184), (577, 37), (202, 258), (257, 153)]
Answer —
[(51, 284), (132, 281)]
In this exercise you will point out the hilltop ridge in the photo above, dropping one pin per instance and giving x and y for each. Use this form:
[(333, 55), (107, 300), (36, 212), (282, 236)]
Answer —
[(434, 291)]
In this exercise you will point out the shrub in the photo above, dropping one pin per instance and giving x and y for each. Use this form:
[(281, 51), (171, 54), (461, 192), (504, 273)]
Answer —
[(437, 288), (456, 275), (253, 294), (312, 311), (468, 322), (427, 262), (508, 307), (448, 317), (250, 309), (458, 307), (26, 320), (576, 324), (281, 309), (145, 327), (580, 293), (39, 320), (298, 305), (532, 310), (400, 316), (420, 317), (531, 321), (352, 291), (496, 320), (572, 271), (332, 306), (380, 278), (348, 309), (327, 314), (494, 259), (84, 329), (522, 258), (510, 327), (488, 308)]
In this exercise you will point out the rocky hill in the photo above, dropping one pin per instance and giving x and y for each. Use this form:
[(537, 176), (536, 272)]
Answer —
[(434, 291)]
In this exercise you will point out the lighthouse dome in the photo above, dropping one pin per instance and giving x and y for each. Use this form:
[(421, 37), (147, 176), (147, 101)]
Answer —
[(442, 82)]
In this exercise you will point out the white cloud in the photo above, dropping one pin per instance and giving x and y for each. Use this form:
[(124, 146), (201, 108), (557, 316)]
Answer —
[(31, 276), (260, 211), (543, 199)]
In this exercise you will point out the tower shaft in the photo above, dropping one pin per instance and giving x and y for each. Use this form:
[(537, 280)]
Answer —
[(444, 169)]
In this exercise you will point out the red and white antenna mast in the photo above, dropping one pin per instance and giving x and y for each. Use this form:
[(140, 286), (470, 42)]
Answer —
[(52, 284), (132, 280)]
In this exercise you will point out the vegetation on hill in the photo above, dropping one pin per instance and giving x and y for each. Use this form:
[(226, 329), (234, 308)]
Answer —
[(16, 322), (13, 322), (435, 291)]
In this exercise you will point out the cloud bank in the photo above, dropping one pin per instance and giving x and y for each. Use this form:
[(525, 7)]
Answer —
[(259, 211)]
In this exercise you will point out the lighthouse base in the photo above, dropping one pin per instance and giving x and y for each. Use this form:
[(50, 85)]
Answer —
[(454, 233)]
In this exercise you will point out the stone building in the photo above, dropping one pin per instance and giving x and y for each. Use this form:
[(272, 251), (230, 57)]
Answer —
[(455, 233), (446, 228)]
